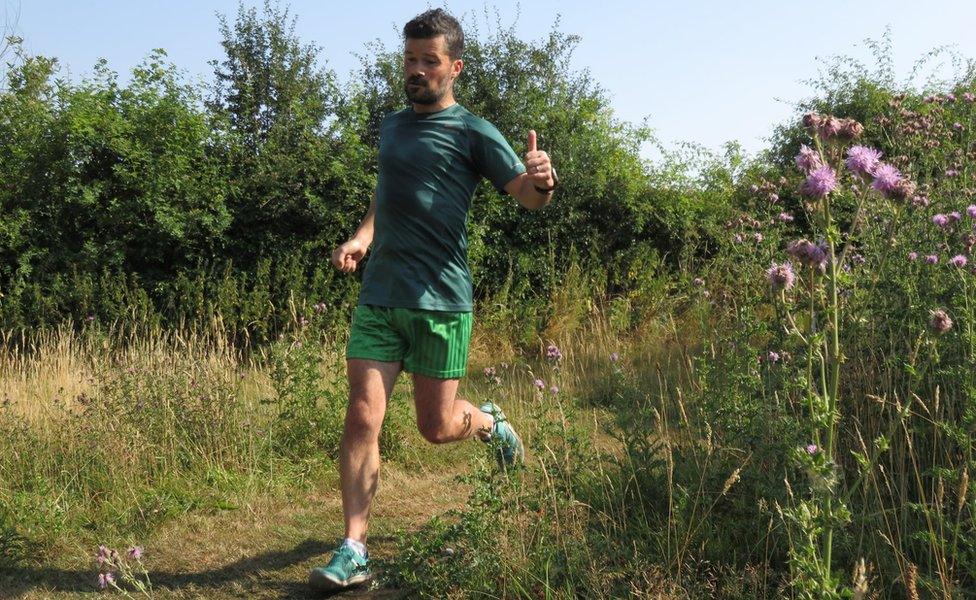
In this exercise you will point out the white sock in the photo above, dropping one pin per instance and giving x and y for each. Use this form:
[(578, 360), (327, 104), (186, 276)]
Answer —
[(356, 545)]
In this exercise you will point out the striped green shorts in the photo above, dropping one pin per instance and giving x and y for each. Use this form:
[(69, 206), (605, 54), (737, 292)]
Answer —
[(428, 342)]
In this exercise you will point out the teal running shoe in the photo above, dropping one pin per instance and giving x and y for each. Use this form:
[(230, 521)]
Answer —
[(506, 444), (346, 569)]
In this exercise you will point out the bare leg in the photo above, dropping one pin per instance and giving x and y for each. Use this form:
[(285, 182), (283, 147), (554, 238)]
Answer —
[(443, 417), (370, 386)]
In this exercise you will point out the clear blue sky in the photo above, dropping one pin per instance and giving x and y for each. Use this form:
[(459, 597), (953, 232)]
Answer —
[(705, 72)]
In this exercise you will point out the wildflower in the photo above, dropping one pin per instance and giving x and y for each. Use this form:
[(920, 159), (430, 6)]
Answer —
[(135, 552), (913, 256), (955, 216), (969, 97), (920, 201), (772, 356), (950, 97), (105, 579), (811, 120), (905, 188), (614, 357), (737, 238), (812, 449), (489, 372), (951, 173), (539, 384), (781, 276), (932, 259), (753, 188), (886, 177), (774, 198), (830, 126), (958, 260), (103, 554), (819, 182), (554, 390), (808, 253), (758, 237), (553, 353), (808, 160), (941, 220), (857, 259), (320, 307), (971, 211), (850, 129), (785, 217), (957, 126), (939, 321), (862, 160), (698, 281), (90, 318)]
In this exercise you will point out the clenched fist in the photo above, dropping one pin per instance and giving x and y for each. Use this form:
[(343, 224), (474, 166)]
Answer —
[(346, 256)]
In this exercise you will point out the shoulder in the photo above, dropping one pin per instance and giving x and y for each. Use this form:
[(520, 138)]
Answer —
[(478, 127)]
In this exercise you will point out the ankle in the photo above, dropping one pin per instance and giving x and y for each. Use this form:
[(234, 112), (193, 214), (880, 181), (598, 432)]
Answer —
[(358, 546)]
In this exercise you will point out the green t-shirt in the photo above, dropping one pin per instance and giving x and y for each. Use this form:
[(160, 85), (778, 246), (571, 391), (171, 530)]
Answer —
[(429, 166)]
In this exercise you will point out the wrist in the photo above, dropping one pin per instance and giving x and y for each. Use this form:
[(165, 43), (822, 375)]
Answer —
[(545, 191)]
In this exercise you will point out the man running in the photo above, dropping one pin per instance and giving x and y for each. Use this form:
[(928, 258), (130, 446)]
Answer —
[(414, 311)]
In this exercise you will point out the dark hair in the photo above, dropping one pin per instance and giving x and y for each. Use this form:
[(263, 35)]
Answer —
[(434, 23)]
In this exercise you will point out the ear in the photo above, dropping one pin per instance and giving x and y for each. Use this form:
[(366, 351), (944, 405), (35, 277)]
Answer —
[(456, 67)]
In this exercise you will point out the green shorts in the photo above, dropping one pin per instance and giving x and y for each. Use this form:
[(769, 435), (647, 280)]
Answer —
[(428, 342)]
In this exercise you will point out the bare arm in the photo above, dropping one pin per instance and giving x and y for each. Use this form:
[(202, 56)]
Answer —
[(346, 256), (539, 174), (522, 188)]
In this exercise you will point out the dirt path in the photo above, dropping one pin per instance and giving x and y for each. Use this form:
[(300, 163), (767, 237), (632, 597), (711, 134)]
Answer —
[(263, 550)]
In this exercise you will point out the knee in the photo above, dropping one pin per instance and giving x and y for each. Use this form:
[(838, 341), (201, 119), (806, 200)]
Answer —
[(434, 431), (361, 419)]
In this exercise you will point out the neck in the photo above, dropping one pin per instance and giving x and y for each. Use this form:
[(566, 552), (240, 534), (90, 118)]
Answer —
[(446, 102)]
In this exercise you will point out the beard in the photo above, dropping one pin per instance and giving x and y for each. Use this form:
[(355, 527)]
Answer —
[(423, 94)]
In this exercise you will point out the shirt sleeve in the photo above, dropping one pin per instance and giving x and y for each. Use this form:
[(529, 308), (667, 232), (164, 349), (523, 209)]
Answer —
[(492, 155)]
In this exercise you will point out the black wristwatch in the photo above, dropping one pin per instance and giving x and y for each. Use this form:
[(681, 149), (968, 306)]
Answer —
[(555, 184)]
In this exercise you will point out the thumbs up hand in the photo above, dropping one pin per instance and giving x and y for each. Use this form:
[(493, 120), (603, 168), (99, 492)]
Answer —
[(537, 165)]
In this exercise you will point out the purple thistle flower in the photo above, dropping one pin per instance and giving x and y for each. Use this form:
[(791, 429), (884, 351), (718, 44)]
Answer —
[(951, 173), (698, 281), (920, 201), (737, 238), (958, 260), (772, 356), (971, 211), (105, 579), (785, 217), (862, 160), (808, 159), (807, 253), (886, 178), (857, 259), (758, 237), (950, 97), (912, 256), (614, 357), (968, 97), (957, 126), (829, 127), (955, 216), (941, 220), (553, 353), (820, 182), (539, 384), (489, 372), (939, 321), (781, 277), (135, 552), (932, 259), (554, 390), (753, 188), (812, 449)]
